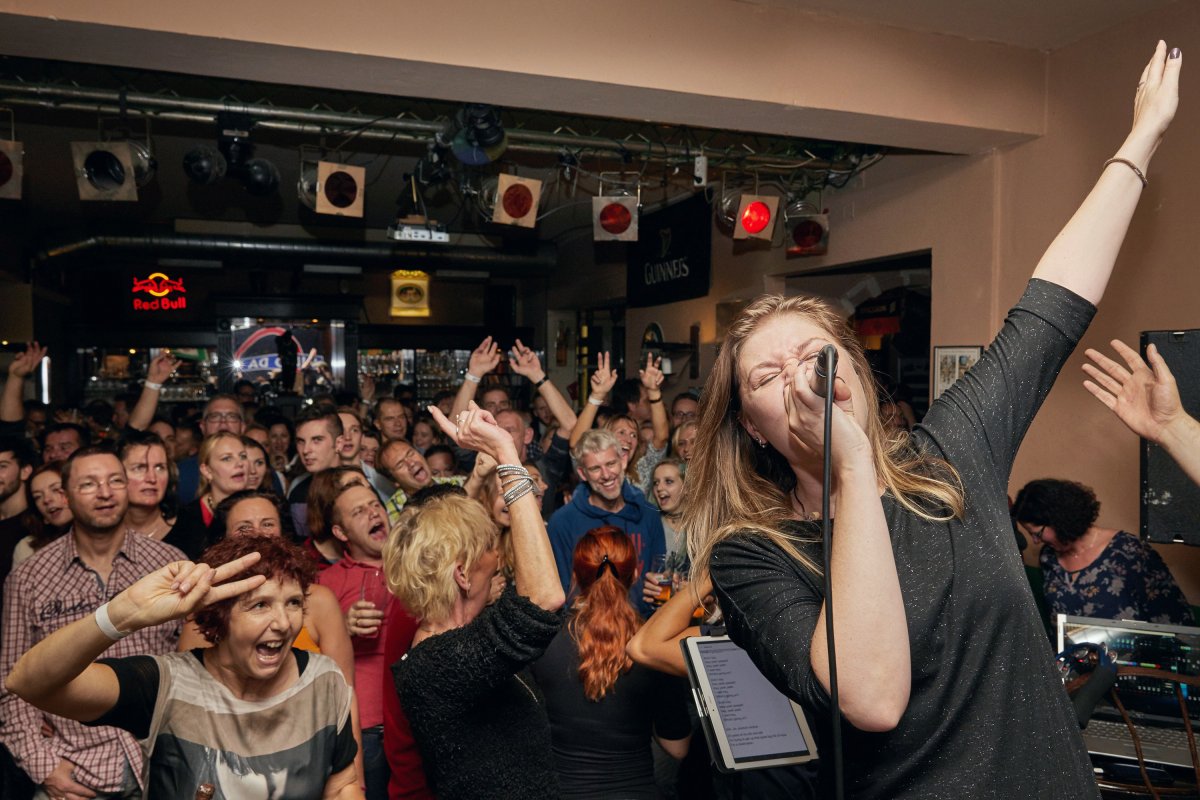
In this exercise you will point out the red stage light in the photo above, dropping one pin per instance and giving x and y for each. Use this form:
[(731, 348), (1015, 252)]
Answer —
[(755, 217), (615, 218), (517, 200)]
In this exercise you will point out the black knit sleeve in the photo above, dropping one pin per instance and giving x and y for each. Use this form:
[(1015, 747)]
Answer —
[(469, 661), (979, 422), (771, 605), (138, 678)]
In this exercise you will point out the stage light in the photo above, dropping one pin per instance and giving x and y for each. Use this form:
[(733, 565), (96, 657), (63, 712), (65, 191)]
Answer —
[(112, 170), (614, 219), (204, 165), (756, 217), (232, 157), (330, 188), (433, 169), (807, 227), (516, 201), (480, 138), (11, 169)]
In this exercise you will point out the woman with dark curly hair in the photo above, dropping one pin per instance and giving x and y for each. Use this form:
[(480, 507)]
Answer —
[(1089, 571), (249, 715)]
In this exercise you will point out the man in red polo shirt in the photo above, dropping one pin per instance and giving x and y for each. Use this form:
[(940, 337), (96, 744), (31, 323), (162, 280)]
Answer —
[(360, 523)]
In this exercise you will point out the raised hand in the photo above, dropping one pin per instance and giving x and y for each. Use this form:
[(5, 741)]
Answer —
[(1143, 396), (1157, 95), (651, 375), (162, 366), (484, 358), (476, 429), (23, 364), (178, 589), (603, 379), (366, 388), (806, 413), (525, 362)]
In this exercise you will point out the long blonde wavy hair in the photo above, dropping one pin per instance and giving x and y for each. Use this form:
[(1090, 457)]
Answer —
[(756, 483)]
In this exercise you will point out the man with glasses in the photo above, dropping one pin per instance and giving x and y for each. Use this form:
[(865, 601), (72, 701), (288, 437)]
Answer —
[(684, 408), (66, 580)]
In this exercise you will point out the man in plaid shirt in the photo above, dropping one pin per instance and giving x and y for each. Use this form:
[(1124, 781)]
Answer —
[(64, 581)]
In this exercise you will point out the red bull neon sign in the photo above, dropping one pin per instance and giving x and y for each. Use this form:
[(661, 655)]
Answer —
[(160, 288)]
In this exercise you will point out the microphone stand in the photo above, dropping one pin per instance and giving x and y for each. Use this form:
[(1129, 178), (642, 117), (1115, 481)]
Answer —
[(829, 358)]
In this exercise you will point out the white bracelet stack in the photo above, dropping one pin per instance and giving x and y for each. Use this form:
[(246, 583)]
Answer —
[(472, 378), (516, 482), (106, 627), (596, 401), (152, 385)]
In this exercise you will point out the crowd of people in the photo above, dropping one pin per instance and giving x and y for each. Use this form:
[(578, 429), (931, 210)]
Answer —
[(101, 506), (484, 597)]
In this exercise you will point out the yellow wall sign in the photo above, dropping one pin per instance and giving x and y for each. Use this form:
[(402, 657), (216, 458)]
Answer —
[(410, 293)]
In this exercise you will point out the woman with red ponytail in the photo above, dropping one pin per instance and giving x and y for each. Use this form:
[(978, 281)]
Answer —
[(603, 708)]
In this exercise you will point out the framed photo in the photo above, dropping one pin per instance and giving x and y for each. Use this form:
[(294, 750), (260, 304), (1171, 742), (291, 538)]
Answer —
[(950, 364)]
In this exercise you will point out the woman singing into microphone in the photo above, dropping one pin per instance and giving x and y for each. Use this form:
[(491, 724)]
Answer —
[(945, 678)]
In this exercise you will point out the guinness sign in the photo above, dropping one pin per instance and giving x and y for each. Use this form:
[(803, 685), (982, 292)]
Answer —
[(672, 258)]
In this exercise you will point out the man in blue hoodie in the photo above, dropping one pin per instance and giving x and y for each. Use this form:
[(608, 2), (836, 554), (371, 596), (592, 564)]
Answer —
[(605, 498)]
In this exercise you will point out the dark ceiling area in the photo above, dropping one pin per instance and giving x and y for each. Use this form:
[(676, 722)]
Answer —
[(54, 103)]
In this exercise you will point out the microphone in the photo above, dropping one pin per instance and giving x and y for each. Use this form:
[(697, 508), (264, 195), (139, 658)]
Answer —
[(826, 371)]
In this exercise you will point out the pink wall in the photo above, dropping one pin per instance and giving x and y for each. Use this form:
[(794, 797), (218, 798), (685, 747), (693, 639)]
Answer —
[(988, 219)]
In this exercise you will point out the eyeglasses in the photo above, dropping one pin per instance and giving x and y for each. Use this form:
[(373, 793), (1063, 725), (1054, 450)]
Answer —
[(223, 416), (91, 485), (683, 416), (1033, 533)]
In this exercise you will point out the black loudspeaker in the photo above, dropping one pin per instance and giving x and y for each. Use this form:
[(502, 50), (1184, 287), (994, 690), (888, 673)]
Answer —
[(1170, 501)]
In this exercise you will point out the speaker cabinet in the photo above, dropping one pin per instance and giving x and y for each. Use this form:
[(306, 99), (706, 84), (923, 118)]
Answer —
[(1170, 502)]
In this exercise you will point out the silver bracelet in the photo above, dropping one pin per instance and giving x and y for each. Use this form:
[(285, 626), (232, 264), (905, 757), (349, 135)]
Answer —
[(1118, 160), (152, 385), (106, 626), (516, 493), (472, 378)]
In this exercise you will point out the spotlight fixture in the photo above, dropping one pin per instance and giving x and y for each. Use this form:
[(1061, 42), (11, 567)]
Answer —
[(480, 138), (204, 165), (112, 170), (330, 188), (233, 156), (755, 217), (807, 227), (11, 156), (516, 201), (615, 211), (433, 169)]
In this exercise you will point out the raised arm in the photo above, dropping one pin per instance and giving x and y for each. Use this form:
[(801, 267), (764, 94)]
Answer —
[(656, 644), (12, 407), (525, 362), (1081, 258), (1145, 397), (652, 377), (161, 368), (58, 674), (533, 561), (483, 360), (603, 381)]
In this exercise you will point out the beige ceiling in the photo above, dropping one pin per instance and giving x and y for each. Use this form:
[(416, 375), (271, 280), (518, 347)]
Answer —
[(1032, 24)]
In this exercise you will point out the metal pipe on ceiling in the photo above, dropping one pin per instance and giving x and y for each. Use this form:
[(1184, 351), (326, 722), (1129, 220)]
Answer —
[(539, 259), (107, 101)]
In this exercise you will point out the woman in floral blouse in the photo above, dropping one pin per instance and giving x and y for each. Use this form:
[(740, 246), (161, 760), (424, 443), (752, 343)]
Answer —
[(1090, 571)]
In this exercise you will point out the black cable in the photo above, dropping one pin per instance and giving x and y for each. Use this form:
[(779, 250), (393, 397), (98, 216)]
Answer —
[(829, 357)]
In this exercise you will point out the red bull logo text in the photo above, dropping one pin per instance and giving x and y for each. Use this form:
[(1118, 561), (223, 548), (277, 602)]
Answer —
[(159, 287)]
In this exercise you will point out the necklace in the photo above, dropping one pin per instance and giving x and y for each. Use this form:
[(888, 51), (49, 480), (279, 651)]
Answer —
[(804, 512)]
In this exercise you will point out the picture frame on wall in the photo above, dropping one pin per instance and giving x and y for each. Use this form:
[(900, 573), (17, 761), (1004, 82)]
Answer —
[(950, 364)]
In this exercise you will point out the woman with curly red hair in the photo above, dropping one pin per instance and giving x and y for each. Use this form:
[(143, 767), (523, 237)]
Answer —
[(603, 708)]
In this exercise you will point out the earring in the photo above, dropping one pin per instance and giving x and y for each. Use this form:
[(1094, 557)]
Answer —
[(761, 443)]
